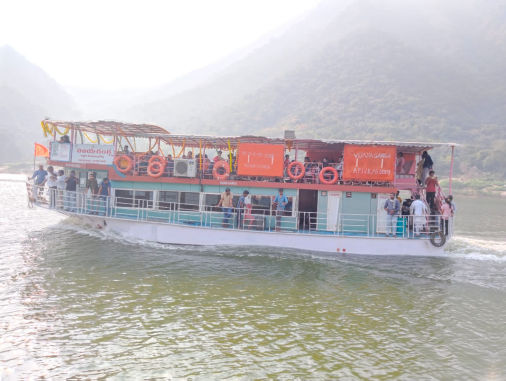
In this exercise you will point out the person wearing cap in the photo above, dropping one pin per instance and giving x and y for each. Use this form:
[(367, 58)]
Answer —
[(226, 203), (218, 157)]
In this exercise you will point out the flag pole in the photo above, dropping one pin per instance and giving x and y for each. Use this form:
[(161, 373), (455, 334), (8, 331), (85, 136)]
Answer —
[(34, 148)]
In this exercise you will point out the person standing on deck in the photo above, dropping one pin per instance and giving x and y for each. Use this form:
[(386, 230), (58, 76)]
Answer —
[(105, 192), (92, 191), (392, 207), (418, 210), (279, 203), (70, 192), (226, 203), (430, 190), (427, 165)]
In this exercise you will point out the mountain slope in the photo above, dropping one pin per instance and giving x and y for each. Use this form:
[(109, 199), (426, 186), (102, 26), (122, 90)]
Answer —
[(385, 70), (27, 95)]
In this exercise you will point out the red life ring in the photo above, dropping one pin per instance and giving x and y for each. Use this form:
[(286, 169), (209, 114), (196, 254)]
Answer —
[(155, 168), (223, 165), (299, 165), (334, 178), (118, 160), (157, 158)]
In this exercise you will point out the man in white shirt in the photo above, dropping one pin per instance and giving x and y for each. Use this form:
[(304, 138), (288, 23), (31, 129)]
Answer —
[(418, 210)]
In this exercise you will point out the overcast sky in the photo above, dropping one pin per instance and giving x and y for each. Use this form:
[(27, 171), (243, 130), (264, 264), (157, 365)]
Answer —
[(115, 44)]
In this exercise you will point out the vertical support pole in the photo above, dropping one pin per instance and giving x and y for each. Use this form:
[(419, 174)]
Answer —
[(451, 171)]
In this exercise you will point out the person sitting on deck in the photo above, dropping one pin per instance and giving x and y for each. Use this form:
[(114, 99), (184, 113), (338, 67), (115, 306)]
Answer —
[(218, 157), (418, 210), (392, 207), (279, 204), (226, 203), (430, 190), (64, 139)]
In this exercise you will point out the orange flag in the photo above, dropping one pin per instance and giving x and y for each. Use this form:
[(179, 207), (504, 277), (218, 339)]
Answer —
[(41, 150)]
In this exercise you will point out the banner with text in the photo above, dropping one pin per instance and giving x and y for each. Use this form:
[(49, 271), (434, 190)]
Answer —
[(376, 163), (93, 154), (260, 159)]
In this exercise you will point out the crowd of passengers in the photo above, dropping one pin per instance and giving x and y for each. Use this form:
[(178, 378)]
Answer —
[(62, 189)]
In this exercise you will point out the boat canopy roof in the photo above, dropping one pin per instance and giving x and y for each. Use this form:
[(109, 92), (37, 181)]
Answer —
[(112, 128)]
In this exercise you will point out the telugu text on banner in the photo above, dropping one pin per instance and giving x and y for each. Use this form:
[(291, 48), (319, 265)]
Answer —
[(260, 159)]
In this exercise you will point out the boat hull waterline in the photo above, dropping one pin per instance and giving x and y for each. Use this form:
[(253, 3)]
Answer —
[(195, 235)]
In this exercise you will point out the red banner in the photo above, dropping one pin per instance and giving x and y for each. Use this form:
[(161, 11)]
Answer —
[(260, 159), (41, 150), (376, 163)]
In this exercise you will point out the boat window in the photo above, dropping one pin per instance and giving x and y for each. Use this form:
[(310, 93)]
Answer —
[(124, 198), (189, 200), (143, 199), (210, 202), (260, 204), (168, 200)]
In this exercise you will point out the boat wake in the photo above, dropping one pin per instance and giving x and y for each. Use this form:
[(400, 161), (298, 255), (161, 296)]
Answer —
[(476, 249)]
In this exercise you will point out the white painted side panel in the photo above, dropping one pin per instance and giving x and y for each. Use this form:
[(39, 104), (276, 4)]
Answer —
[(336, 245)]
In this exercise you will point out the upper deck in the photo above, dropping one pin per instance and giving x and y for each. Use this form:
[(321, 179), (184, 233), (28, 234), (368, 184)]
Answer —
[(148, 153)]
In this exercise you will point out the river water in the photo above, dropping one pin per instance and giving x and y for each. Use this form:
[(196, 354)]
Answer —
[(77, 304)]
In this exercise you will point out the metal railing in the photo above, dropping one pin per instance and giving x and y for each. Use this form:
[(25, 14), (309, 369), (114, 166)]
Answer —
[(253, 218)]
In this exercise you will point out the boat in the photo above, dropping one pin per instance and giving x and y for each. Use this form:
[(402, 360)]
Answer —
[(167, 188)]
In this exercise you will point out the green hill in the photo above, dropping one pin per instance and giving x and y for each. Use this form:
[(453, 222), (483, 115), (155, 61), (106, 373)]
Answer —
[(407, 70)]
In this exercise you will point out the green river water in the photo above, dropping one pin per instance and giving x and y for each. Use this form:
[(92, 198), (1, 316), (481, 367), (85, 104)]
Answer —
[(77, 304)]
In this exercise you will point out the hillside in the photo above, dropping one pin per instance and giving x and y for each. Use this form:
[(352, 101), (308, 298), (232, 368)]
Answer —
[(27, 95), (386, 70)]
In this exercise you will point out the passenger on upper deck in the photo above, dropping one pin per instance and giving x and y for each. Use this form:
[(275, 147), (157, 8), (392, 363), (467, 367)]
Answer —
[(427, 165), (170, 165), (189, 155), (399, 165), (126, 150), (64, 139), (218, 157)]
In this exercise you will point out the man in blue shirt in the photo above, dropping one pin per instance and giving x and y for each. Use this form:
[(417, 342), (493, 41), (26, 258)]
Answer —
[(40, 175), (279, 203)]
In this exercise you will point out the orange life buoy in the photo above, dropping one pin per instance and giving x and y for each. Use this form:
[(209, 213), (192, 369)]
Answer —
[(299, 165), (119, 160), (332, 180), (221, 165), (157, 158), (155, 168)]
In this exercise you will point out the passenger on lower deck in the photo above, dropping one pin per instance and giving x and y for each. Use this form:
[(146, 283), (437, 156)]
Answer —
[(279, 204), (392, 207), (431, 182), (418, 210), (226, 203)]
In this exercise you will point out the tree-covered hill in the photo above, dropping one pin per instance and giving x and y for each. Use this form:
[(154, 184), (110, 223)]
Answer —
[(411, 70)]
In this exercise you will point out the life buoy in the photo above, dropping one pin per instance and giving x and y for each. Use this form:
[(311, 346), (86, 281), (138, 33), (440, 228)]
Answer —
[(438, 238), (157, 158), (120, 160), (155, 168), (301, 168), (221, 165), (334, 178)]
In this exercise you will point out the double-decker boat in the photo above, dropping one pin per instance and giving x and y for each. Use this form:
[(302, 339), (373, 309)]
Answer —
[(167, 188)]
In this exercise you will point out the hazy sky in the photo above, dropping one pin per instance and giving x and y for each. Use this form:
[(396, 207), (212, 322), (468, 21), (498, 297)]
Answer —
[(115, 44)]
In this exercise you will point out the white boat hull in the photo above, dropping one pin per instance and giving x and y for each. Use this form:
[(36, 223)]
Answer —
[(196, 235)]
